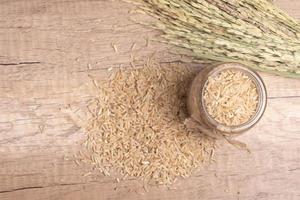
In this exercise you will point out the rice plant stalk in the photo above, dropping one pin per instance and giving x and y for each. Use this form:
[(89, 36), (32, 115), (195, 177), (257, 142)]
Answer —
[(252, 32)]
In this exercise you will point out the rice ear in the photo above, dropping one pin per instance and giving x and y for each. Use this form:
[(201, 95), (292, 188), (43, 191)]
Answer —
[(255, 33)]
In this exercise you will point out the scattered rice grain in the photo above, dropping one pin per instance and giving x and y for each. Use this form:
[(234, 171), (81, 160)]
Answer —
[(115, 47)]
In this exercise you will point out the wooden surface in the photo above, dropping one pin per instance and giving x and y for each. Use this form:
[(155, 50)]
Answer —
[(47, 49)]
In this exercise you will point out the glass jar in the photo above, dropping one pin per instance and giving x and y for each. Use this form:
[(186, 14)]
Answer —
[(197, 108)]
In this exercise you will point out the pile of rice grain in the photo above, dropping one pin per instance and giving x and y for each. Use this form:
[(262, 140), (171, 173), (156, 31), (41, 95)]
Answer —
[(231, 97), (137, 125)]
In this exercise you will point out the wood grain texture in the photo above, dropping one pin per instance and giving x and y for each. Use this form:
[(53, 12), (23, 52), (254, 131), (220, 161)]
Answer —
[(47, 50)]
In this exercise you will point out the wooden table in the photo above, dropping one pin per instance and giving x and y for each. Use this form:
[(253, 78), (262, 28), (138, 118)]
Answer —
[(47, 49)]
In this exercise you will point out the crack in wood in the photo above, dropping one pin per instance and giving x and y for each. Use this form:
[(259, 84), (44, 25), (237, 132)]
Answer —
[(18, 189), (47, 186), (285, 97), (38, 187), (20, 63), (294, 169)]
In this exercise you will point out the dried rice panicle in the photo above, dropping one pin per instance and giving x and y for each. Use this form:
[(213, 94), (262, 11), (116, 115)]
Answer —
[(255, 33), (137, 125)]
